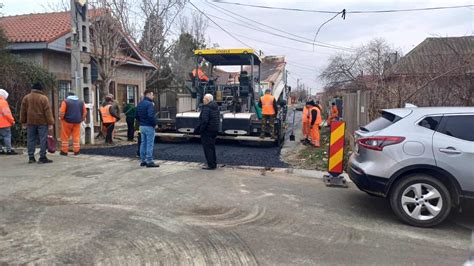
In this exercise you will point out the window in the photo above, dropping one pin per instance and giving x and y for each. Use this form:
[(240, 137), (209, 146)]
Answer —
[(64, 86), (430, 122), (85, 74), (387, 119), (131, 93), (458, 126)]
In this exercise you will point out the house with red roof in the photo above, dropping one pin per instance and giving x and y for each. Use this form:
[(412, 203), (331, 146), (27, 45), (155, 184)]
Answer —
[(45, 39)]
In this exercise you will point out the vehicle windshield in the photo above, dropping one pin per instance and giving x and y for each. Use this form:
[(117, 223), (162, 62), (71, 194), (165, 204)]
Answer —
[(382, 122)]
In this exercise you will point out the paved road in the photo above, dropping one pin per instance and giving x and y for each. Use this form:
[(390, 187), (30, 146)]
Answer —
[(103, 210), (229, 153)]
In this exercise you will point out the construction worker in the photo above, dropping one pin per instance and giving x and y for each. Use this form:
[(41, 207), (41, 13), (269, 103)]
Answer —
[(305, 123), (108, 116), (72, 113), (269, 110), (6, 122), (201, 75), (315, 122), (334, 114)]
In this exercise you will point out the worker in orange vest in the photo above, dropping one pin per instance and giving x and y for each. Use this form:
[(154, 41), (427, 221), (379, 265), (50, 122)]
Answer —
[(305, 123), (315, 123), (334, 114), (269, 110), (71, 113), (201, 75), (6, 122), (108, 116)]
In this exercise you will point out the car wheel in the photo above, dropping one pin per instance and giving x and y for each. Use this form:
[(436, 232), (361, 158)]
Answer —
[(420, 200)]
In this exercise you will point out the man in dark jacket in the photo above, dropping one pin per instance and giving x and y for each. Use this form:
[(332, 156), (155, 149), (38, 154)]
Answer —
[(130, 111), (146, 117), (37, 118), (208, 128)]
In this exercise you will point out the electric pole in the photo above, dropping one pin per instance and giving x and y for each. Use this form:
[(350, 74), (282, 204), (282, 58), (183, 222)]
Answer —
[(81, 64)]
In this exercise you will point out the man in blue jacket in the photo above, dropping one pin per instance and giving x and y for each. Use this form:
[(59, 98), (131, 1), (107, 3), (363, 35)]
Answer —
[(145, 115)]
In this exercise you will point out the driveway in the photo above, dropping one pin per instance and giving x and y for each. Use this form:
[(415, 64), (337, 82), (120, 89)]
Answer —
[(107, 210)]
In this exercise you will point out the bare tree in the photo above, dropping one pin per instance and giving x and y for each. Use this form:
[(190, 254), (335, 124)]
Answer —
[(160, 17), (109, 44), (57, 6)]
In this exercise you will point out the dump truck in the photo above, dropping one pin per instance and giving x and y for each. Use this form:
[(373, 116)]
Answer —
[(236, 93)]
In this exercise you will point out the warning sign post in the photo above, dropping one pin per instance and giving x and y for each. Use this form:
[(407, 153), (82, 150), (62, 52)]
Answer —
[(336, 155)]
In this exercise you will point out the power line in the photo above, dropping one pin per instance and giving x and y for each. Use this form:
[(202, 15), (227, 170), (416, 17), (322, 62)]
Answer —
[(273, 28), (272, 33), (336, 12), (343, 12), (230, 34)]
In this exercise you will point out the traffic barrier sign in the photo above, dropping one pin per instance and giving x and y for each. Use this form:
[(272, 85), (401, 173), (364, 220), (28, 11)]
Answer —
[(336, 155)]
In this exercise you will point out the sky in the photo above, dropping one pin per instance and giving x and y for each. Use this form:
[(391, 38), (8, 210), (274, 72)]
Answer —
[(402, 30)]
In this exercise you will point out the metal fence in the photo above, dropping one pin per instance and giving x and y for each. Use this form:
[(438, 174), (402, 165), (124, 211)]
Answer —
[(356, 110)]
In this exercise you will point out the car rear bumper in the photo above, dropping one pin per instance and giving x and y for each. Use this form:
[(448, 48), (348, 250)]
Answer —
[(377, 186)]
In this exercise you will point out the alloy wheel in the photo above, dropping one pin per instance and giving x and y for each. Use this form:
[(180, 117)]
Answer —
[(421, 201)]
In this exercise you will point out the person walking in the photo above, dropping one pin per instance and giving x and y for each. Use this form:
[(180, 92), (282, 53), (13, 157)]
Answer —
[(130, 111), (6, 122), (108, 116), (71, 113), (208, 128), (305, 123), (146, 117), (269, 110), (315, 123), (37, 118)]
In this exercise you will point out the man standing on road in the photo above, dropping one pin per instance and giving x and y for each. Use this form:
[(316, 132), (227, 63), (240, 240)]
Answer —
[(269, 110), (6, 122), (36, 116), (130, 111), (72, 113), (108, 116), (208, 128), (314, 124), (146, 118)]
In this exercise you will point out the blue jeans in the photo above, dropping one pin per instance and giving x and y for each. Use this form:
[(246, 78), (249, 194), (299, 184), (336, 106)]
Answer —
[(37, 132), (148, 142), (6, 134)]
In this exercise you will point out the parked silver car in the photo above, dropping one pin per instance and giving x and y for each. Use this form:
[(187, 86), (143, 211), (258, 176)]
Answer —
[(421, 159)]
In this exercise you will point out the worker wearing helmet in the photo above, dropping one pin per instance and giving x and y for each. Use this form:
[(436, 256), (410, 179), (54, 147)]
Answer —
[(269, 110)]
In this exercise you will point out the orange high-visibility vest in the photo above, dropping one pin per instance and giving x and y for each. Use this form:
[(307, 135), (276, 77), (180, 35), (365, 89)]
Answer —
[(201, 74), (306, 115), (319, 119), (106, 116), (334, 111), (267, 104), (6, 117)]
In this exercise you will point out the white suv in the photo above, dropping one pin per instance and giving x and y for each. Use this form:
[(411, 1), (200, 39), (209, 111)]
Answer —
[(422, 159)]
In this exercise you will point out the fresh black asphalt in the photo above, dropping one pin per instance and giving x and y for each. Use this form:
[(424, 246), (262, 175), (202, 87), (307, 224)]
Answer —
[(227, 153)]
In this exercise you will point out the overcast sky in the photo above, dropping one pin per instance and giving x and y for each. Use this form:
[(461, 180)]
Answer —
[(402, 30)]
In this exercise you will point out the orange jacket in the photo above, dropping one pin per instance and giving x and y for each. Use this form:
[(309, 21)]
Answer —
[(6, 117), (106, 115), (267, 101), (306, 115), (334, 112), (318, 119), (63, 109), (201, 74)]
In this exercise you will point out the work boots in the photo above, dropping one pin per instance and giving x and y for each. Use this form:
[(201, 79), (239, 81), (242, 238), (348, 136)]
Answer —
[(44, 160)]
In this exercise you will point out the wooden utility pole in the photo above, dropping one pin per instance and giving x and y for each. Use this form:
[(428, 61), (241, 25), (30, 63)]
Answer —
[(81, 64)]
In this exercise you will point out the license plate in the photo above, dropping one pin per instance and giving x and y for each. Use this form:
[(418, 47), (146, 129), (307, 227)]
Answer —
[(356, 148)]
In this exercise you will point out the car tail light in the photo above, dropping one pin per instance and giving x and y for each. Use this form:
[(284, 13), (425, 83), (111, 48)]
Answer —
[(378, 143)]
